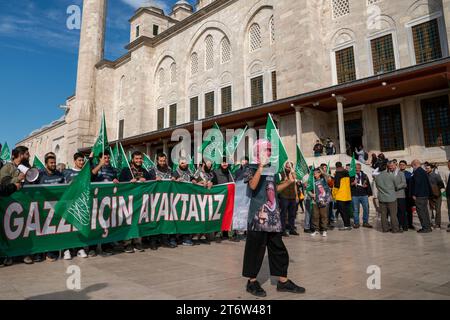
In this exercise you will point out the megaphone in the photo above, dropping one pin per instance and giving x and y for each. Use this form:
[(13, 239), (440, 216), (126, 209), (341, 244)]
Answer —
[(31, 174)]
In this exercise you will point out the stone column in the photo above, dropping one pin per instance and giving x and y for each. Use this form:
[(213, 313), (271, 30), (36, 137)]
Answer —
[(251, 125), (341, 123), (82, 119), (298, 122)]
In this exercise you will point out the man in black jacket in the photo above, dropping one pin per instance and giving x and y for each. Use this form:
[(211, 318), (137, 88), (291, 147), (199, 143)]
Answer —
[(420, 191), (135, 174), (361, 191)]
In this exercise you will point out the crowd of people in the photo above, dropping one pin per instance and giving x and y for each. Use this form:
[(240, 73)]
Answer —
[(323, 197), (397, 193)]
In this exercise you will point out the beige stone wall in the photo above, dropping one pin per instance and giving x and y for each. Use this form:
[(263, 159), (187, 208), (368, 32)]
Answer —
[(306, 36)]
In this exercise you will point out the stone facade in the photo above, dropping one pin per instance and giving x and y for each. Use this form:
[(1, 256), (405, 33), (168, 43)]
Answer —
[(295, 38)]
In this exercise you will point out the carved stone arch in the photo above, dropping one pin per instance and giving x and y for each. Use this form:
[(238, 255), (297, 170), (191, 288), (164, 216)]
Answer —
[(423, 7), (209, 85), (255, 67), (385, 23), (194, 90), (342, 36), (225, 78)]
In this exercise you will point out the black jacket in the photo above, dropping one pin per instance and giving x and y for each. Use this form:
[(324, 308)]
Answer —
[(359, 191), (221, 177), (420, 186), (127, 176), (7, 189)]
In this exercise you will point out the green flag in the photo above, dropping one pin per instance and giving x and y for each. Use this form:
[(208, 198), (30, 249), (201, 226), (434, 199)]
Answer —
[(5, 154), (148, 163), (37, 163), (122, 160), (310, 186), (129, 156), (102, 141), (352, 172), (75, 205), (279, 155), (234, 142), (115, 156), (301, 168), (329, 169), (213, 145)]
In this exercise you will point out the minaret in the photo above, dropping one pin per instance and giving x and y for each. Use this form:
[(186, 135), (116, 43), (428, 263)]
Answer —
[(82, 117)]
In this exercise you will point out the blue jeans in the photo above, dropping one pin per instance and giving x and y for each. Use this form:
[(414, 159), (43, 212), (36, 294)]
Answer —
[(364, 201)]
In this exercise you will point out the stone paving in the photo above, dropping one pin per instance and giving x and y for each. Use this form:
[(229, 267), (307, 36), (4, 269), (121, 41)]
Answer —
[(413, 266)]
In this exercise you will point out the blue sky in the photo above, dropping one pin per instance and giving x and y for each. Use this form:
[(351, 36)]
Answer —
[(38, 58)]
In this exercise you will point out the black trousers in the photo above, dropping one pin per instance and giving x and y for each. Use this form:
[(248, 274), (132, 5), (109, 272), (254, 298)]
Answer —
[(343, 208), (402, 214), (255, 249)]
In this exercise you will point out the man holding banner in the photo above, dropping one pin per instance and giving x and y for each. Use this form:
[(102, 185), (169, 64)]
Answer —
[(135, 173), (264, 224)]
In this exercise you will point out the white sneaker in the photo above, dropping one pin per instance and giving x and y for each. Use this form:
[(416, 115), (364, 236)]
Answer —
[(67, 255), (82, 254), (315, 233), (324, 234)]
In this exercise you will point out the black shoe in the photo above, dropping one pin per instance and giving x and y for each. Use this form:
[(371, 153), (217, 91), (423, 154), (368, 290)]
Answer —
[(153, 246), (424, 231), (218, 239), (356, 226), (367, 225), (294, 233), (307, 231), (255, 289), (170, 245), (205, 241), (405, 229), (235, 239), (28, 260), (37, 258), (411, 228), (129, 249), (138, 248), (289, 286), (285, 234)]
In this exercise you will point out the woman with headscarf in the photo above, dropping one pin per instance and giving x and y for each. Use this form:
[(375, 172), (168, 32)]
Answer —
[(264, 224)]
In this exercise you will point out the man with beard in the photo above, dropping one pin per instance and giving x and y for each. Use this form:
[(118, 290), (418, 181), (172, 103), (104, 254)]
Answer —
[(223, 176), (204, 177), (69, 176), (264, 224), (183, 174), (11, 180), (135, 174), (162, 172), (239, 174), (103, 172), (50, 176)]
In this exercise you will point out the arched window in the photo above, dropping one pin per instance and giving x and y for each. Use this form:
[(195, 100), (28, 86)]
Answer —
[(255, 37), (173, 73), (209, 52), (225, 47), (194, 63), (162, 77), (121, 89), (272, 30)]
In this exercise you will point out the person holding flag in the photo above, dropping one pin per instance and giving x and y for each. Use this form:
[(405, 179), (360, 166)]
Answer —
[(264, 224), (103, 172), (135, 173), (162, 172), (288, 202), (69, 176)]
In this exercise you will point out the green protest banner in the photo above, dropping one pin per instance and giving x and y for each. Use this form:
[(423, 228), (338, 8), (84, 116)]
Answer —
[(117, 212)]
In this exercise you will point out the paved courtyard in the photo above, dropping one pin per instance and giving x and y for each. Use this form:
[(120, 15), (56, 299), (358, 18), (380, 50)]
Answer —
[(412, 266)]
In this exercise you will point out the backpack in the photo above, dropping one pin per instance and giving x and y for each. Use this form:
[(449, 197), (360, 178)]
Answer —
[(366, 156)]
